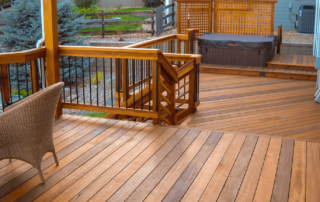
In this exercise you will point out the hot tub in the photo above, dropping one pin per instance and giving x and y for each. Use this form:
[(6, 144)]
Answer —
[(243, 50)]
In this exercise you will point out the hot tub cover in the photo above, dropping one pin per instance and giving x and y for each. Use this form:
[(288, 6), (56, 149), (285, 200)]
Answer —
[(246, 42)]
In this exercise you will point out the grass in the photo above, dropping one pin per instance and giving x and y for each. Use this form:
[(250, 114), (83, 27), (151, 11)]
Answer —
[(95, 114), (132, 9), (124, 18)]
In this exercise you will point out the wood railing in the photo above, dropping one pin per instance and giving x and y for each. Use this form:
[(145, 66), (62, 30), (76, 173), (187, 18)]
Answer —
[(19, 74), (126, 83)]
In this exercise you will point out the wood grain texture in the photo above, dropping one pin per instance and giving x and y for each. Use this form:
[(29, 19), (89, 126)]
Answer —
[(299, 171), (313, 178), (266, 181), (283, 176)]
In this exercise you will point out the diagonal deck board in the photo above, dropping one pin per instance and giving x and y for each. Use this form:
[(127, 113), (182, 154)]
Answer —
[(259, 106), (119, 160)]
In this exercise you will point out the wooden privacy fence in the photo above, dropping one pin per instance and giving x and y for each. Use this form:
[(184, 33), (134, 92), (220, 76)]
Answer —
[(135, 83), (244, 17), (194, 14), (103, 23), (161, 17)]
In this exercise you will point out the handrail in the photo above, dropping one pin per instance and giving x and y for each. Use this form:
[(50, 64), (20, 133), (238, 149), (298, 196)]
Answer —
[(22, 56)]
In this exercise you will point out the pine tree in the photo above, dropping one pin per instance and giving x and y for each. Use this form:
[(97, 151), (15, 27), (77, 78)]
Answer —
[(23, 30), (23, 25)]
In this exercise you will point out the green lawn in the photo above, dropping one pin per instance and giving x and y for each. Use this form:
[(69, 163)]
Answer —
[(132, 9), (124, 18), (95, 114)]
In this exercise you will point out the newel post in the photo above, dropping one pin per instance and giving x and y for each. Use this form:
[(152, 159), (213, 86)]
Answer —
[(52, 45)]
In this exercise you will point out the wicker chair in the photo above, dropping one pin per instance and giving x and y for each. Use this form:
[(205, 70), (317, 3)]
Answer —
[(26, 128)]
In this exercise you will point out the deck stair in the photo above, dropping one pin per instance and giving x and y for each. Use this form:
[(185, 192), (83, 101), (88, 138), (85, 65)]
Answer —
[(281, 66)]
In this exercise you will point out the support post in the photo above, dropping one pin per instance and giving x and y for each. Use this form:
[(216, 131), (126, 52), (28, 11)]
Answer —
[(52, 45), (5, 90)]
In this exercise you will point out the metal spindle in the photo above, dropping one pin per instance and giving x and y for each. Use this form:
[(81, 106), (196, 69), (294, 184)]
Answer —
[(75, 66), (10, 89), (70, 79), (45, 72), (90, 81), (126, 80), (1, 94), (18, 83), (84, 95), (104, 82), (97, 81), (64, 90), (27, 86), (118, 80), (141, 83), (111, 82), (184, 87), (134, 81), (157, 84), (149, 84)]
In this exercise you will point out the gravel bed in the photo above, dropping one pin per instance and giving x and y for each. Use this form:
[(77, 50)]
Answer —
[(292, 36)]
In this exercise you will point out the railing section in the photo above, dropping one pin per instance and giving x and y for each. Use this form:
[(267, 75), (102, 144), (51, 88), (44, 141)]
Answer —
[(21, 75)]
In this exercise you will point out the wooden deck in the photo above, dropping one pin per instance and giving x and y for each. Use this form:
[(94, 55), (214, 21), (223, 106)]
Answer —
[(282, 66), (295, 62), (259, 106), (117, 160)]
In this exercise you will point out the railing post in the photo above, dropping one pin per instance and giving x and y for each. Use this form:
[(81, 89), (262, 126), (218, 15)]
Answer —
[(155, 89), (5, 90), (102, 24), (192, 90), (34, 77), (52, 45)]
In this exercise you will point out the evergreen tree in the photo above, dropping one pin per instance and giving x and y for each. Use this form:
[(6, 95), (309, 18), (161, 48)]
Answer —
[(23, 30), (23, 25)]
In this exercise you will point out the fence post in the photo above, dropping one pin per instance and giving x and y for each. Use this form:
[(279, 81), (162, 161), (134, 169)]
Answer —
[(152, 24), (102, 24), (4, 84)]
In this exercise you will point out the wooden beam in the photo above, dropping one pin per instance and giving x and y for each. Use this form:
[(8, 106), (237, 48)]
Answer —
[(52, 43)]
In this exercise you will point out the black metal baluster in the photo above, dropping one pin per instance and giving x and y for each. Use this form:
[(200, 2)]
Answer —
[(133, 82), (104, 82), (27, 85), (45, 72), (97, 81), (37, 74), (18, 83), (1, 94), (10, 89), (111, 82), (90, 81), (141, 84), (126, 80), (198, 83), (118, 79), (84, 95), (70, 79), (149, 84), (157, 90), (64, 90), (75, 66)]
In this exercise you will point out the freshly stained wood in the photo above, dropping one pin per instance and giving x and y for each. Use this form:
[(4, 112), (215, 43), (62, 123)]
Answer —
[(299, 171), (109, 160), (266, 181), (256, 105), (282, 181), (313, 178)]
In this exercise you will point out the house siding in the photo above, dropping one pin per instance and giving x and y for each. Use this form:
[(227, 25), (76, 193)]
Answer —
[(282, 12)]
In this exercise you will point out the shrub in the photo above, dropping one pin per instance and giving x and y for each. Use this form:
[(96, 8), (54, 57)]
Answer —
[(85, 3), (23, 93), (95, 80)]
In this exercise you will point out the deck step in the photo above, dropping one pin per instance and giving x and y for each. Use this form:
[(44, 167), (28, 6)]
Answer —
[(294, 62), (286, 73)]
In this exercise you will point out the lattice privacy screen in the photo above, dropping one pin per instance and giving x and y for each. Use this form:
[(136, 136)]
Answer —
[(194, 15), (248, 18)]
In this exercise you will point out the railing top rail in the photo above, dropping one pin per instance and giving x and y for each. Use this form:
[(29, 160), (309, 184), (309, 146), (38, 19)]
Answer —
[(120, 53), (153, 42), (183, 57), (22, 56)]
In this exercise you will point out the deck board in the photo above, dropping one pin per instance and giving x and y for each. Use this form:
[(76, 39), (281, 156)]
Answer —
[(258, 106), (118, 160)]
